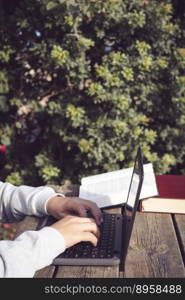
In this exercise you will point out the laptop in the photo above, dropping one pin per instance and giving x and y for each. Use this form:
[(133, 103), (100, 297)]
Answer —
[(115, 230)]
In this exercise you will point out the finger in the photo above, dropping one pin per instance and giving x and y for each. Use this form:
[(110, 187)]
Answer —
[(90, 227), (89, 237), (76, 219), (80, 209), (94, 209)]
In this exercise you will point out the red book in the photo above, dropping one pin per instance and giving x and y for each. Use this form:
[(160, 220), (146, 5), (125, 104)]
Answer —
[(171, 186), (171, 198)]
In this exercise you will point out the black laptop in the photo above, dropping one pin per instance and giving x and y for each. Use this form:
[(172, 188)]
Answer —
[(115, 230)]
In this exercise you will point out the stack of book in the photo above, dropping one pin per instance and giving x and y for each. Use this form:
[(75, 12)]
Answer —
[(171, 198)]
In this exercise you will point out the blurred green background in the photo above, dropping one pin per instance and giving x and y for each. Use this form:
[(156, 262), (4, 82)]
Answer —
[(83, 82)]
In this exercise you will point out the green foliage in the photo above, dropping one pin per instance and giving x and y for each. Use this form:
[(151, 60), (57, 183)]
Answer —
[(83, 82), (4, 88), (49, 173), (14, 178), (46, 170), (60, 55)]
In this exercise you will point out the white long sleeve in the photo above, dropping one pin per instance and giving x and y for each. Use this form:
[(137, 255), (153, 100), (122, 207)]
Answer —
[(31, 250), (19, 201)]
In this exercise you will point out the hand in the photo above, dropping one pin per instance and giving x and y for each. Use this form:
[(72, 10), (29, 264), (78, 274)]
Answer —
[(77, 229), (59, 207)]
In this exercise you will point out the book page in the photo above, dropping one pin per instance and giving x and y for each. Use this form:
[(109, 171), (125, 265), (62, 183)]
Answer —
[(164, 205), (106, 192), (149, 183), (111, 188), (106, 176)]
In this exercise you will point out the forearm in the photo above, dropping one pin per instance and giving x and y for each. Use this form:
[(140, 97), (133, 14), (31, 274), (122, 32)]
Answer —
[(30, 252), (18, 201)]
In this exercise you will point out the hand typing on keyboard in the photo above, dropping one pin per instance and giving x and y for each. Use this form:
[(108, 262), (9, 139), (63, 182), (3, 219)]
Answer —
[(60, 207), (88, 250), (78, 229)]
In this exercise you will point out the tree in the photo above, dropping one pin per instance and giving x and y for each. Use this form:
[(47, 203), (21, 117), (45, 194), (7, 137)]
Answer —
[(83, 82)]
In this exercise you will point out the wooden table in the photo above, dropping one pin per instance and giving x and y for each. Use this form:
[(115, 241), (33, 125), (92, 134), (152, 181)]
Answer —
[(156, 250)]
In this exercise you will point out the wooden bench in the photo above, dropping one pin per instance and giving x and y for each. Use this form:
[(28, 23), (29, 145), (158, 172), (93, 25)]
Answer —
[(156, 250)]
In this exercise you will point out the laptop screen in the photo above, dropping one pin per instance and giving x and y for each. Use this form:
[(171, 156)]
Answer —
[(131, 205)]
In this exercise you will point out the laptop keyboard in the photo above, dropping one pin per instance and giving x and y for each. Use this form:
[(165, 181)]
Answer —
[(105, 246)]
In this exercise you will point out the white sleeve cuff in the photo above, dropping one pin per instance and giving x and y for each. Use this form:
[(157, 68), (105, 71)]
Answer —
[(45, 195), (46, 202)]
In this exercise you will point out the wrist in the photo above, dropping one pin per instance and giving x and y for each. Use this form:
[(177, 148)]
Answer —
[(50, 203)]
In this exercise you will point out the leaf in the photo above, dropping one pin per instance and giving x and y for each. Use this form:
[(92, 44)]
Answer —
[(51, 5)]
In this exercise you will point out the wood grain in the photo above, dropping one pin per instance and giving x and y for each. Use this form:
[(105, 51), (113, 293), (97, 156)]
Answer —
[(87, 272), (28, 223), (180, 230), (154, 250), (47, 272)]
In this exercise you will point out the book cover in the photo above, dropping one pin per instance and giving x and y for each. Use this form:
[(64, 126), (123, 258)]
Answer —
[(171, 198), (171, 186)]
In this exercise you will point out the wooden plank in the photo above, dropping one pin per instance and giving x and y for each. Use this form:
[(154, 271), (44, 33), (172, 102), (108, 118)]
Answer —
[(154, 249), (179, 221), (47, 272), (28, 223), (89, 271)]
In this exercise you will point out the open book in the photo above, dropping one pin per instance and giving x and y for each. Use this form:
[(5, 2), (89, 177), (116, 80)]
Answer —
[(111, 188)]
